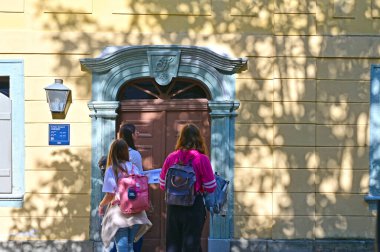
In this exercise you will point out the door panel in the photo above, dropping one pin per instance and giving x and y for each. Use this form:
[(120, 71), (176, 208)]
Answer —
[(149, 144), (159, 123)]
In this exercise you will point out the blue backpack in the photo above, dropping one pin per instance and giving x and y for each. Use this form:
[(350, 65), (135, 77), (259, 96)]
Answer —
[(180, 183), (215, 202)]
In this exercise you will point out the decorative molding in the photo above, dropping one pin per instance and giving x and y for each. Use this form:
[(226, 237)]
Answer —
[(114, 56), (221, 109), (163, 65), (116, 65), (104, 109)]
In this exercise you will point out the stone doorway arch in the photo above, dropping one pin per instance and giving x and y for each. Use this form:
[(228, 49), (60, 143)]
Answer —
[(117, 65)]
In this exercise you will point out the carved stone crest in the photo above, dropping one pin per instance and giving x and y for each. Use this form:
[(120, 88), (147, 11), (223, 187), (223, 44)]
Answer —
[(163, 65)]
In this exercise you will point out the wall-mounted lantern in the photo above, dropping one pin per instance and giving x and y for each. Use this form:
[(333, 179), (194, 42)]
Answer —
[(59, 98)]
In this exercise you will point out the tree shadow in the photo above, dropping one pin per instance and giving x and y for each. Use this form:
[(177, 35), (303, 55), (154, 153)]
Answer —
[(294, 127), (56, 201)]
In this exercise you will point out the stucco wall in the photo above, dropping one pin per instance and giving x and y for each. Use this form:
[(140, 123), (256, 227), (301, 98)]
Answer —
[(302, 130)]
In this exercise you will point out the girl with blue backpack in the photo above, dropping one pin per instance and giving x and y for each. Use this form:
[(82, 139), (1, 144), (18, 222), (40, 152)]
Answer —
[(184, 224)]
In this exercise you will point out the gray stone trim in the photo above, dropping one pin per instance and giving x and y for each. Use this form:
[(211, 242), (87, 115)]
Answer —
[(103, 114), (222, 159), (223, 109), (114, 56), (103, 109), (117, 65)]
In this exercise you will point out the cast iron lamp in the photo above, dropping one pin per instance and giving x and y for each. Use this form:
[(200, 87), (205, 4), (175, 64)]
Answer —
[(57, 96)]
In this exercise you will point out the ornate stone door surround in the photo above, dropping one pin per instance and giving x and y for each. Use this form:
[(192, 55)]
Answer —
[(117, 65)]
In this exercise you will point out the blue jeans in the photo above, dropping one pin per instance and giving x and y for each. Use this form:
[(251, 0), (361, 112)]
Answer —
[(124, 239), (136, 246)]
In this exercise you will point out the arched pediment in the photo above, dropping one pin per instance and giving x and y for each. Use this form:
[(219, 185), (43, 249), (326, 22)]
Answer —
[(116, 65)]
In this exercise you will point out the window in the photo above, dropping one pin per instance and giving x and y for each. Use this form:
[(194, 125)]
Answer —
[(6, 136), (149, 89), (4, 85), (12, 133)]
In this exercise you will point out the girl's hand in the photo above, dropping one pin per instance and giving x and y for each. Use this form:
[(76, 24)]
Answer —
[(100, 211)]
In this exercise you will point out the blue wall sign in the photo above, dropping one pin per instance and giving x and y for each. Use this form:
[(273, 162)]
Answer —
[(59, 134)]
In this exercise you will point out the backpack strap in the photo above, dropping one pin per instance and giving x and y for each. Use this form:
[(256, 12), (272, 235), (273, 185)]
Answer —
[(125, 169), (133, 168)]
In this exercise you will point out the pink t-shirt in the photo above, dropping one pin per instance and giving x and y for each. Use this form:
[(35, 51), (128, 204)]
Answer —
[(205, 179)]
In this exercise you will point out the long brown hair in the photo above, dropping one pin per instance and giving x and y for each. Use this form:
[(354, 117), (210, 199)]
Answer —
[(117, 154), (191, 138)]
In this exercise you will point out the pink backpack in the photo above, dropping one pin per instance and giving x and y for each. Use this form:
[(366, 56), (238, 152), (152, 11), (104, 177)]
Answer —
[(133, 192)]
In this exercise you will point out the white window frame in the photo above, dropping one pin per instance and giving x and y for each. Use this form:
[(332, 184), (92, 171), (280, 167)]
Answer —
[(15, 70)]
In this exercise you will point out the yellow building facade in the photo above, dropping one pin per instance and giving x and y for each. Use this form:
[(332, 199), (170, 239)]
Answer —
[(301, 134)]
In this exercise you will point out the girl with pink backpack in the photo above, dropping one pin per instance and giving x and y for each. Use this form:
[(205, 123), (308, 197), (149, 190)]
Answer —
[(123, 228)]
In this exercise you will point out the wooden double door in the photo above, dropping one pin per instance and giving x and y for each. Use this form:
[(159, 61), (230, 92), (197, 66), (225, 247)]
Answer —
[(159, 123)]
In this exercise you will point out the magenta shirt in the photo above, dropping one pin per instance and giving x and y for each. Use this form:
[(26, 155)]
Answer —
[(205, 179)]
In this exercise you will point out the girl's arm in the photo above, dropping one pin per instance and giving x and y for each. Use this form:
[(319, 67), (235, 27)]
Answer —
[(106, 200), (208, 178)]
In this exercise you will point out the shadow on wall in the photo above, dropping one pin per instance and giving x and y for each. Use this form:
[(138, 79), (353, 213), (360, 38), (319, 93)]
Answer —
[(301, 149), (56, 202), (301, 165), (302, 156)]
